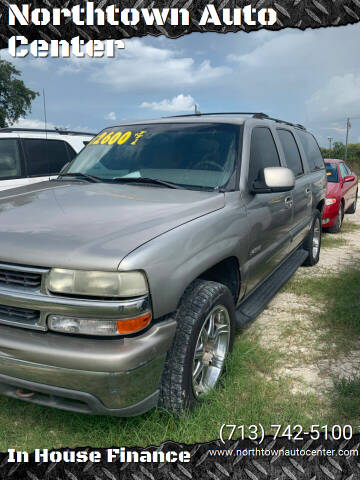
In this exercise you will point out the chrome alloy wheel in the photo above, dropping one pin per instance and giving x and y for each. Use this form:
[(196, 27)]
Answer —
[(211, 349), (316, 238)]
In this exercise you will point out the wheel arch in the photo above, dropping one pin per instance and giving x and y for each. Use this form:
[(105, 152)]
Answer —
[(226, 272)]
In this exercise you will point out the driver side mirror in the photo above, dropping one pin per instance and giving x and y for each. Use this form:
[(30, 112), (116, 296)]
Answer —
[(349, 178), (274, 179)]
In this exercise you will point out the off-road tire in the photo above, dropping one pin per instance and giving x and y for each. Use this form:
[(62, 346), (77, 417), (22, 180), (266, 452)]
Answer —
[(176, 392), (339, 220), (352, 208), (312, 260)]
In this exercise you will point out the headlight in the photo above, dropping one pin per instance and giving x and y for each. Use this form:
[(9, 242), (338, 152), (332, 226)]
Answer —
[(97, 284), (330, 201)]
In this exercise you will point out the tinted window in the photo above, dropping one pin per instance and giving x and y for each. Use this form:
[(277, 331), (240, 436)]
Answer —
[(44, 157), (71, 151), (291, 151), (263, 152), (343, 171), (332, 172), (10, 164), (194, 155), (312, 150)]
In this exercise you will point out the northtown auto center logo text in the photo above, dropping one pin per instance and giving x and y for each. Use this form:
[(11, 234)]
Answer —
[(113, 16)]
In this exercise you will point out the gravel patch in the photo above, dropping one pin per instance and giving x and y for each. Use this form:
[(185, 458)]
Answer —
[(289, 326)]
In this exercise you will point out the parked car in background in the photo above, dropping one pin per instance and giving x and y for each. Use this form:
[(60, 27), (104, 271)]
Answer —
[(30, 155), (341, 194)]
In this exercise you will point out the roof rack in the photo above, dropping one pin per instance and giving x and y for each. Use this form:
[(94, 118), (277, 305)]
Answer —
[(43, 130), (219, 113), (254, 115), (279, 121)]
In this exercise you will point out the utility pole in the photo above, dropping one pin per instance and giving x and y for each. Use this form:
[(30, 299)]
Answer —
[(348, 126), (330, 140)]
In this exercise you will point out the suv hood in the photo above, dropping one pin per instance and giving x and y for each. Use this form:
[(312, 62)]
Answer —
[(91, 226)]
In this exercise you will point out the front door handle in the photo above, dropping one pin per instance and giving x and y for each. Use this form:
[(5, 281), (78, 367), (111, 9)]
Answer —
[(288, 202)]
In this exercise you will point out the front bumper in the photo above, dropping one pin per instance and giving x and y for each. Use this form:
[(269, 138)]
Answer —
[(330, 214), (113, 375), (100, 376)]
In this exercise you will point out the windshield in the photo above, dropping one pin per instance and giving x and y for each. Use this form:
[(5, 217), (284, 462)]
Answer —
[(190, 155), (332, 172)]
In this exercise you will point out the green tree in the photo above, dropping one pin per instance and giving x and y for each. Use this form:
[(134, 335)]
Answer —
[(15, 97)]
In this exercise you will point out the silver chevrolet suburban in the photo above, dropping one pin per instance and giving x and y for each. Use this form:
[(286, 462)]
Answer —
[(123, 280)]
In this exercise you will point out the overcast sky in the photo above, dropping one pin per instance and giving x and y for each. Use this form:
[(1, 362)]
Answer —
[(310, 77)]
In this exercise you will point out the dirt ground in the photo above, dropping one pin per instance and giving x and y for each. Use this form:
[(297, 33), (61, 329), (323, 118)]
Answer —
[(307, 361)]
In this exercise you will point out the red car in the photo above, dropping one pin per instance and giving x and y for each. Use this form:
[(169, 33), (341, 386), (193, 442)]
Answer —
[(341, 194)]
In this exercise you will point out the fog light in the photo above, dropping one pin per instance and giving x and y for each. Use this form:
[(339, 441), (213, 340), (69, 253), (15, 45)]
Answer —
[(91, 326), (325, 220)]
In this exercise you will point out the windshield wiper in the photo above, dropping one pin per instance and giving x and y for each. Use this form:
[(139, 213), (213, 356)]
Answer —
[(84, 176), (149, 181)]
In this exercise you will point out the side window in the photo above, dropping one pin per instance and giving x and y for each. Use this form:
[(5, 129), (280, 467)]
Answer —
[(263, 152), (10, 163), (291, 151), (312, 151), (44, 157), (348, 170), (343, 169), (71, 152)]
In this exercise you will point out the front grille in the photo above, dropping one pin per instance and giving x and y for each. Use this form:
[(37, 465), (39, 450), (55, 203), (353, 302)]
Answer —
[(18, 314), (20, 278)]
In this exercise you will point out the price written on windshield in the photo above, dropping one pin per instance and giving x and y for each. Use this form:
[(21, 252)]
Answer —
[(117, 138)]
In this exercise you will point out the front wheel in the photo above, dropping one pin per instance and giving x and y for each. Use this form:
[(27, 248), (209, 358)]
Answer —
[(312, 243), (203, 341)]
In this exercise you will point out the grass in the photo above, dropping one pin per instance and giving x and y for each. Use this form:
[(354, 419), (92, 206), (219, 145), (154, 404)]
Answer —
[(347, 400), (330, 240), (340, 322), (340, 295), (349, 227)]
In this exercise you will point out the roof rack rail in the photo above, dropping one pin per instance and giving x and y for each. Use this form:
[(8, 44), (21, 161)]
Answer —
[(282, 121), (43, 130), (255, 114)]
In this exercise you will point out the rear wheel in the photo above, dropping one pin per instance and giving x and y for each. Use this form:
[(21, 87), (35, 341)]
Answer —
[(352, 208), (312, 242), (339, 220), (203, 341)]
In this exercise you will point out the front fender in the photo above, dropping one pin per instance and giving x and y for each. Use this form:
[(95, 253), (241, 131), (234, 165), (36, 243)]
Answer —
[(174, 259)]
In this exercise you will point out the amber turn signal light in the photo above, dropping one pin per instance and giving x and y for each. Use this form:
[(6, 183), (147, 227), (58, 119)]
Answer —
[(133, 325)]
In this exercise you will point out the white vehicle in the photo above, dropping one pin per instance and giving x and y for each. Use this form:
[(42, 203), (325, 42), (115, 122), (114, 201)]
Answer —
[(30, 155)]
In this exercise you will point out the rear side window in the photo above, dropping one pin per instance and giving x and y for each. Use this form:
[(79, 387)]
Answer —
[(291, 151), (263, 152), (312, 151), (45, 157), (10, 163)]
